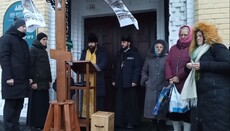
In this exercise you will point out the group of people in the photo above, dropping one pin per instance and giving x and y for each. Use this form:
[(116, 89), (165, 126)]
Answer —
[(25, 73), (198, 64)]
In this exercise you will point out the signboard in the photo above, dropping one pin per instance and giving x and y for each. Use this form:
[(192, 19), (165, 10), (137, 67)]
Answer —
[(16, 10)]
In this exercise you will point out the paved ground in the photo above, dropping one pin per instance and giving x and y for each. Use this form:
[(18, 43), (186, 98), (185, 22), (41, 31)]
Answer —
[(145, 125)]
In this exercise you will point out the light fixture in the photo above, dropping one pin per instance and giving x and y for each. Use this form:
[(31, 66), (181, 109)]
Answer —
[(59, 4)]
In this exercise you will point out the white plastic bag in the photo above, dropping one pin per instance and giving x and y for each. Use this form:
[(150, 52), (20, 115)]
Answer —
[(177, 105)]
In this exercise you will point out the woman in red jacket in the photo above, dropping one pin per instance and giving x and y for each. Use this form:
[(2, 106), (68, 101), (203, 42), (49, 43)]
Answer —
[(176, 60)]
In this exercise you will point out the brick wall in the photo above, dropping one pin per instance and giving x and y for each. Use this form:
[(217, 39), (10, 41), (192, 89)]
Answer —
[(181, 13), (217, 12)]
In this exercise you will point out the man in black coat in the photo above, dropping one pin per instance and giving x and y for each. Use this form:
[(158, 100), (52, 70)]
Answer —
[(15, 63), (127, 71), (41, 73), (94, 50)]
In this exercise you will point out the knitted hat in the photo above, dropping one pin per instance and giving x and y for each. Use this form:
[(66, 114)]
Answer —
[(92, 38), (18, 22), (40, 36)]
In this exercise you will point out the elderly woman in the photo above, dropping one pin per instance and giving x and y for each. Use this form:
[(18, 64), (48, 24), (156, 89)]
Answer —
[(176, 60), (153, 77)]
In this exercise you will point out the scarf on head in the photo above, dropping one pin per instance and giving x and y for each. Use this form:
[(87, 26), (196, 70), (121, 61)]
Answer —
[(188, 92)]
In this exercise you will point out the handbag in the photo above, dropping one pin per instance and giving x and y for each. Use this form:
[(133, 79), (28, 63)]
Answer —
[(163, 100), (176, 104)]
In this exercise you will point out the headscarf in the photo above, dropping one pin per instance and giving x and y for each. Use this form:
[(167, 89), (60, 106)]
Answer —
[(186, 41)]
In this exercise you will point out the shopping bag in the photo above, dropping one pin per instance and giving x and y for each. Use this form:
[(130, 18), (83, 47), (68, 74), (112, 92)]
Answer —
[(163, 100), (176, 104)]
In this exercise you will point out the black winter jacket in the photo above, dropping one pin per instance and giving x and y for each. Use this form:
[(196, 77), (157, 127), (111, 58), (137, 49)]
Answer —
[(15, 63), (131, 70), (213, 90), (40, 66)]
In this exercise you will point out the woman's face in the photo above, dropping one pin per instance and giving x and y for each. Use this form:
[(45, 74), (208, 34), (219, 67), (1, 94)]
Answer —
[(199, 38), (159, 47), (184, 33)]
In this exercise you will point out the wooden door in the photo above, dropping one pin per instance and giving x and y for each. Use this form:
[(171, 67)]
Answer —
[(109, 34)]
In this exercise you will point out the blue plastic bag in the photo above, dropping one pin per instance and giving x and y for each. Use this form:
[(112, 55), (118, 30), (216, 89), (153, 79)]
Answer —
[(163, 99)]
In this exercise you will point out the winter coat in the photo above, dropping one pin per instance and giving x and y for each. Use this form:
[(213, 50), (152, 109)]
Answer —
[(175, 65), (131, 71), (213, 89), (40, 66), (153, 77), (101, 61), (213, 85), (176, 60), (15, 63)]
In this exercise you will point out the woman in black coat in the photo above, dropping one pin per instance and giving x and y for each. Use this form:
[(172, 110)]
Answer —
[(210, 71), (15, 63), (40, 68)]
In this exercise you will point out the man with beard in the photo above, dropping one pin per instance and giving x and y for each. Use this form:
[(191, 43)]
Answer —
[(97, 56), (127, 70)]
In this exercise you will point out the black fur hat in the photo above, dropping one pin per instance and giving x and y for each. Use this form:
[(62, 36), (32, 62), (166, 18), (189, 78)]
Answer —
[(126, 38), (92, 38)]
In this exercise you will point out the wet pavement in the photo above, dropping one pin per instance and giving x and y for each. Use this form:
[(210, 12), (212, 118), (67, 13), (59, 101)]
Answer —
[(146, 125)]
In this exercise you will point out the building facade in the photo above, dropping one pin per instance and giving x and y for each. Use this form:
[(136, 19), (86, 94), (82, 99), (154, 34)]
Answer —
[(158, 19)]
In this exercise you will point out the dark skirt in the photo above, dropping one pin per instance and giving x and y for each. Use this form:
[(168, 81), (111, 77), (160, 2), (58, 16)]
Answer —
[(38, 108), (179, 116), (126, 110)]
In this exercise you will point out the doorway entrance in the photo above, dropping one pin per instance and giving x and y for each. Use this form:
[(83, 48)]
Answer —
[(109, 34)]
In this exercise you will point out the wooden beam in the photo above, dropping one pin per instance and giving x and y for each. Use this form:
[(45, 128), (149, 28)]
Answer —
[(60, 25), (61, 57)]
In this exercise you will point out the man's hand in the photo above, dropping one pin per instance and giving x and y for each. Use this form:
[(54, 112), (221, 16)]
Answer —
[(134, 84), (10, 82)]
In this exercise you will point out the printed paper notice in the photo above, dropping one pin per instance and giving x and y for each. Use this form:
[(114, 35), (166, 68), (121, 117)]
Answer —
[(123, 14), (33, 17)]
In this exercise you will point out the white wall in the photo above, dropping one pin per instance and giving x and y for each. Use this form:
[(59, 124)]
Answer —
[(181, 13)]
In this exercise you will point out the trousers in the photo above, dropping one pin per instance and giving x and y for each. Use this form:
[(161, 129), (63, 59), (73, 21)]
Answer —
[(11, 114)]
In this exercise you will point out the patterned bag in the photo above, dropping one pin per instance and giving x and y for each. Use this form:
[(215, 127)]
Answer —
[(163, 100)]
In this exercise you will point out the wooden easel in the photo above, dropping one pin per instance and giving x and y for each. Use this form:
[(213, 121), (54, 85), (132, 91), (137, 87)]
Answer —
[(86, 68), (62, 114)]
